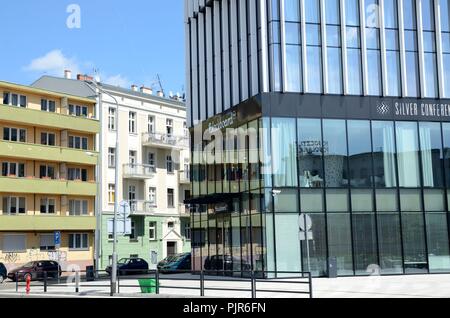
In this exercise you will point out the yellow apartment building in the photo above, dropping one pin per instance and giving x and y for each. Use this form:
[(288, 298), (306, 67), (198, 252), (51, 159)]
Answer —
[(48, 164)]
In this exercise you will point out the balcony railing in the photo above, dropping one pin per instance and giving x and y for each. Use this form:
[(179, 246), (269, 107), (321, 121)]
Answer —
[(165, 140), (184, 210), (138, 171), (142, 207), (185, 176)]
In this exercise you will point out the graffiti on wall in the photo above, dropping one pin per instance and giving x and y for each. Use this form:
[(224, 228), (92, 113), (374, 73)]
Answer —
[(31, 255), (9, 257)]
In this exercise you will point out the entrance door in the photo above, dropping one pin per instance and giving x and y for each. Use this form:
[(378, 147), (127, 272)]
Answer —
[(171, 248)]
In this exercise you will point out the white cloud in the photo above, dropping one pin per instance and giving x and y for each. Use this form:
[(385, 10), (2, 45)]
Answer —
[(54, 63), (117, 80)]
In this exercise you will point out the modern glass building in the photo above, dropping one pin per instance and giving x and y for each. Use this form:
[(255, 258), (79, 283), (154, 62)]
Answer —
[(337, 111)]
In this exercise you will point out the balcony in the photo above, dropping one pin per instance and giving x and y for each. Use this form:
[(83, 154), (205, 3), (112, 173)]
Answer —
[(47, 186), (138, 171), (47, 153), (47, 223), (185, 177), (164, 141), (184, 210), (141, 207), (40, 118)]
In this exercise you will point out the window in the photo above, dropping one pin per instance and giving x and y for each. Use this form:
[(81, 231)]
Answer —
[(133, 231), (48, 139), (152, 231), (14, 100), (46, 172), (310, 150), (169, 127), (13, 205), (169, 164), (185, 129), (187, 231), (170, 225), (78, 241), (383, 140), (151, 124), (77, 142), (284, 144), (14, 243), (408, 154), (132, 123), (14, 134), (152, 196), (151, 159), (47, 242), (112, 118), (47, 206), (111, 157), (48, 105), (111, 193), (170, 198), (132, 157), (77, 174), (78, 207), (76, 110), (13, 169)]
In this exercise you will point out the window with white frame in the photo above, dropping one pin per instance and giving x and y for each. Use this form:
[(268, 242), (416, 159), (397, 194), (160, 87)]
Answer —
[(47, 206), (152, 231), (169, 164), (14, 205), (77, 142), (151, 124), (111, 193), (132, 157), (48, 105), (13, 99), (78, 241), (169, 127), (14, 134), (47, 242), (132, 123), (187, 230), (170, 225), (77, 174), (170, 198), (14, 243), (13, 169), (133, 231), (46, 172), (151, 159), (112, 119), (186, 131), (152, 196), (78, 207), (111, 157), (79, 111), (48, 139)]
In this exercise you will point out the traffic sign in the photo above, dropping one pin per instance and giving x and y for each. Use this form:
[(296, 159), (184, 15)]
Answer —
[(305, 222), (57, 239), (124, 209)]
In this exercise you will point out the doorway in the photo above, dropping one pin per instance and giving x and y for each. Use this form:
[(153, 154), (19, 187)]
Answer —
[(171, 248)]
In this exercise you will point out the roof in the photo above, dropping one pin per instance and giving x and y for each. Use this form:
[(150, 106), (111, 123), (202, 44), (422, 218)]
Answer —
[(81, 88), (44, 90)]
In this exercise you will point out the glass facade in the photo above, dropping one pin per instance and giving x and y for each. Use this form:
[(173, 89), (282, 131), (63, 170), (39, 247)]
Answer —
[(375, 192)]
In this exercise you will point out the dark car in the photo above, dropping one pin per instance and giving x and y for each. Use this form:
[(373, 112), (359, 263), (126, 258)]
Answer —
[(36, 270), (226, 263), (3, 273), (175, 263), (130, 266)]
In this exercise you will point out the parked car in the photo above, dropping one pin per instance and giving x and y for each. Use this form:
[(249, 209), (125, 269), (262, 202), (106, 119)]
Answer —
[(226, 263), (174, 263), (130, 266), (3, 273), (36, 270)]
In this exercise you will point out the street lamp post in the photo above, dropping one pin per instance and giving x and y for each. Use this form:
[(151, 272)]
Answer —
[(116, 181)]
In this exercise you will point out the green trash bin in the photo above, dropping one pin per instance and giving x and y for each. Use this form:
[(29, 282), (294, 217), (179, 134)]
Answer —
[(148, 285)]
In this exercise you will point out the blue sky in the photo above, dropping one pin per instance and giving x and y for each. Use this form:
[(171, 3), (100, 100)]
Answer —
[(129, 42)]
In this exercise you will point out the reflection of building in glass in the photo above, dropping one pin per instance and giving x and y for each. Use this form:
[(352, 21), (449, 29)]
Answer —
[(340, 105)]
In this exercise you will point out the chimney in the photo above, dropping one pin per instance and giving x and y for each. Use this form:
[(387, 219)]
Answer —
[(160, 94), (134, 88), (146, 90), (82, 77), (68, 74)]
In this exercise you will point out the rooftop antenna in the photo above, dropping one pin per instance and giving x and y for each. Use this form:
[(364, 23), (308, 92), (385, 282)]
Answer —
[(160, 83)]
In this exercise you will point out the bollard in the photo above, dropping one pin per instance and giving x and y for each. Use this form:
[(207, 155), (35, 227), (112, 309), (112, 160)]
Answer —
[(77, 282), (202, 284), (28, 280), (157, 281), (45, 282)]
